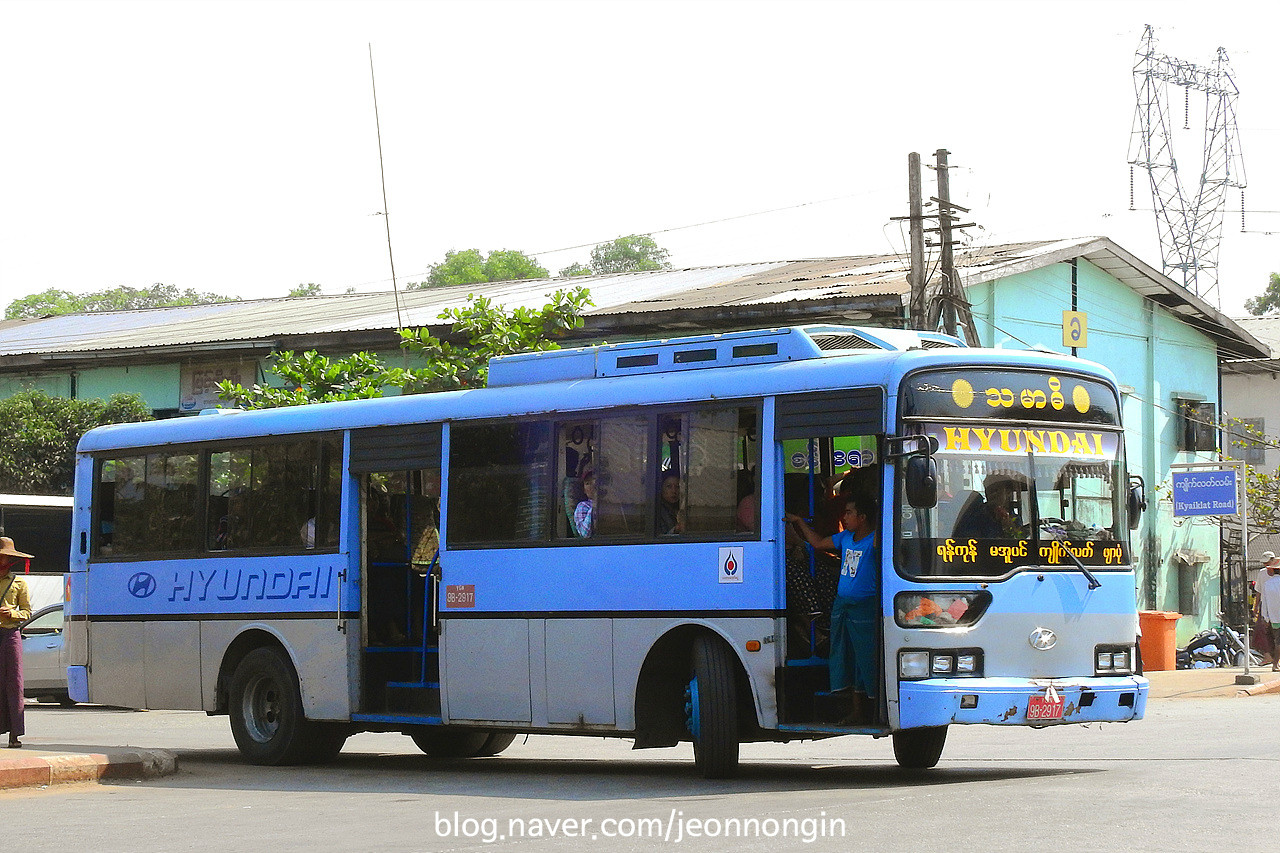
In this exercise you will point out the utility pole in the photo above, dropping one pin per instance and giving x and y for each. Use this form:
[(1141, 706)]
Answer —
[(948, 309), (916, 277)]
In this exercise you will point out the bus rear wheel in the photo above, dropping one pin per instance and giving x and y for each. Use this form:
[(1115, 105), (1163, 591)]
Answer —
[(447, 743), (919, 749), (711, 709), (267, 720)]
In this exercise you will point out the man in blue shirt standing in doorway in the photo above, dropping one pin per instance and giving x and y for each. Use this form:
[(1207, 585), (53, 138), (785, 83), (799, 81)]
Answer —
[(856, 610)]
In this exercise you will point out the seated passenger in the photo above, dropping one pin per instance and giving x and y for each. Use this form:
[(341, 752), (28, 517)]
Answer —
[(670, 515), (584, 512)]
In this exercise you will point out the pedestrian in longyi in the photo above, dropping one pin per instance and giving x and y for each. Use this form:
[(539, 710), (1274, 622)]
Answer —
[(15, 608)]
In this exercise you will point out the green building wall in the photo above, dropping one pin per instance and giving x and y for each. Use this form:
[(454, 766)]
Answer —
[(1157, 360)]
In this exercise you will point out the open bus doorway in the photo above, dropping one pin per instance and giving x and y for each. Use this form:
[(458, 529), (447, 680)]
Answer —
[(400, 513), (819, 476)]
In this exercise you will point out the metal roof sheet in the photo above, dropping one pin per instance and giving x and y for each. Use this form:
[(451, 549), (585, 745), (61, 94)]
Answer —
[(264, 322)]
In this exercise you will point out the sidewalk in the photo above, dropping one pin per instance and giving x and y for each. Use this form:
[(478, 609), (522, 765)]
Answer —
[(1211, 683), (41, 765), (56, 764)]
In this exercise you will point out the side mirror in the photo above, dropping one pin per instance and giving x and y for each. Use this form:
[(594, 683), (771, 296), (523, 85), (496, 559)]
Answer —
[(1137, 500), (922, 482)]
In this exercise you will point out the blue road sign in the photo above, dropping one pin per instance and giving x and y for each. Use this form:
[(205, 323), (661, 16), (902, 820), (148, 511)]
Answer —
[(1204, 493)]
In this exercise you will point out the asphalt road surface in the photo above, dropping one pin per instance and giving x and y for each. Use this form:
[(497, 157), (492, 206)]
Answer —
[(1197, 774)]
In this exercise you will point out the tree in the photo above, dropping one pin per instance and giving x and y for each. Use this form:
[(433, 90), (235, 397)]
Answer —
[(480, 331), (38, 444), (53, 301), (313, 378), (575, 269), (471, 266), (629, 254), (488, 331), (1266, 302), (308, 289)]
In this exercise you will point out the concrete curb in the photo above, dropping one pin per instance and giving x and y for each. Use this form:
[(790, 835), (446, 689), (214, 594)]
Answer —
[(1259, 689), (37, 770)]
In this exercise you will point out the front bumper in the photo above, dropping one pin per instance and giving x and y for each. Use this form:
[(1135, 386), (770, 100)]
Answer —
[(1003, 701)]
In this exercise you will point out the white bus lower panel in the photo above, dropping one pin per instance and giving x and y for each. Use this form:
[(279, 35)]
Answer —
[(1021, 701)]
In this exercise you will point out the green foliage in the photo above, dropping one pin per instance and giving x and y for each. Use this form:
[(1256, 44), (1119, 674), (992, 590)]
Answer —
[(308, 289), (1266, 302), (575, 269), (488, 331), (54, 301), (38, 444), (471, 266), (629, 254), (480, 330), (314, 378)]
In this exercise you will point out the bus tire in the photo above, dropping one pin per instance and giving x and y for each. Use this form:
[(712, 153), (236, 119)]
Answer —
[(711, 709), (919, 749), (327, 740), (267, 720), (451, 743), (496, 743)]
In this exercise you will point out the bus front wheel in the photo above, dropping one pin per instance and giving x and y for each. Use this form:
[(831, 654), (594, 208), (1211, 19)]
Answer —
[(266, 710), (919, 749), (711, 709)]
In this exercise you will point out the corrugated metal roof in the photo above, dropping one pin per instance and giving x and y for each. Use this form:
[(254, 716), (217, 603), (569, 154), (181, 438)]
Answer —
[(263, 323)]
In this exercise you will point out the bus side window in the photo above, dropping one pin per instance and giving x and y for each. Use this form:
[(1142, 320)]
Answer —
[(500, 487), (718, 478)]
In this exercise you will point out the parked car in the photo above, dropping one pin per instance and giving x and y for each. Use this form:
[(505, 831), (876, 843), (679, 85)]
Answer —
[(44, 660)]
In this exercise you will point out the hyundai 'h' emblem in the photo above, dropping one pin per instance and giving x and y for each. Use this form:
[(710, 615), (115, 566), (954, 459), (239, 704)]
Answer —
[(1042, 639), (142, 585)]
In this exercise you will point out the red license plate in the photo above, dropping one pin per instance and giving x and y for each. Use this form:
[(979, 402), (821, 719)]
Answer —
[(1044, 708)]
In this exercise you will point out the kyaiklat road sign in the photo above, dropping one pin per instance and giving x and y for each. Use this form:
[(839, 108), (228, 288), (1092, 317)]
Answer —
[(1204, 493)]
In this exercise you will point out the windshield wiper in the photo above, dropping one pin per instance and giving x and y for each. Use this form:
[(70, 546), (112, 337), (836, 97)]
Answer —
[(1094, 583)]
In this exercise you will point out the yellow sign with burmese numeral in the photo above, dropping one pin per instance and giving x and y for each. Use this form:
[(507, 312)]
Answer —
[(1075, 329)]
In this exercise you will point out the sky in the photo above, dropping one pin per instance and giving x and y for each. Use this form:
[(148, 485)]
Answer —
[(231, 147)]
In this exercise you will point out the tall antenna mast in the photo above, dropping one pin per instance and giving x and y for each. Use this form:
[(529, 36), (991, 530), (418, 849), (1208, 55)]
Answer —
[(1190, 228), (386, 210)]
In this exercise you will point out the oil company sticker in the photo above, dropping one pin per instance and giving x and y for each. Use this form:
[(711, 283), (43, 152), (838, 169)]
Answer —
[(730, 565), (460, 595)]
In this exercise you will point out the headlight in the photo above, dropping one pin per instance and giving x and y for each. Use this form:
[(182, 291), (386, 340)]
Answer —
[(913, 664), (1113, 660), (939, 663)]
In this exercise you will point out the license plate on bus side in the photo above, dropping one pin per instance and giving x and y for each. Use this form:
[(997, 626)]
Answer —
[(1045, 708)]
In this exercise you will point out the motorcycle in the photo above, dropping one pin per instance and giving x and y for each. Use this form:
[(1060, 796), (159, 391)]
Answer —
[(1216, 647)]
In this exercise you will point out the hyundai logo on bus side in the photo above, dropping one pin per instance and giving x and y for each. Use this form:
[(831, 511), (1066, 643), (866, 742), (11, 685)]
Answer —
[(142, 585), (1042, 639)]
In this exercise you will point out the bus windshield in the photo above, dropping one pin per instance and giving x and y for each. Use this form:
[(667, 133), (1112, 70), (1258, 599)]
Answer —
[(1036, 480)]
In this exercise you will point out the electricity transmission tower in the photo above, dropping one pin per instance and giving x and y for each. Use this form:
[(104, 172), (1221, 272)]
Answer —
[(1190, 226)]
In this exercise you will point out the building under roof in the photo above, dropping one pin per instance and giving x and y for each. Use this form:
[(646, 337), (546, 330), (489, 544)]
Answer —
[(862, 289)]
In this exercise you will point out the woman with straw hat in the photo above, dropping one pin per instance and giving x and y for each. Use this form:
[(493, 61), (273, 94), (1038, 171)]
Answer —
[(15, 608)]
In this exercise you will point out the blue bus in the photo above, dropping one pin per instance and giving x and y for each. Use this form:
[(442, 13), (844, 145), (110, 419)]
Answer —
[(595, 545)]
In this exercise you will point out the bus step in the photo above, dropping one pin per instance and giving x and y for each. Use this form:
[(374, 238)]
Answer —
[(401, 649), (814, 661), (408, 697)]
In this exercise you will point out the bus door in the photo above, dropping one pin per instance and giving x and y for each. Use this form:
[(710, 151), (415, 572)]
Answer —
[(831, 445), (400, 570)]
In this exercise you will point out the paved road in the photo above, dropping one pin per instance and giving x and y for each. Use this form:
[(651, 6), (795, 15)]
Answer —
[(1197, 774)]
